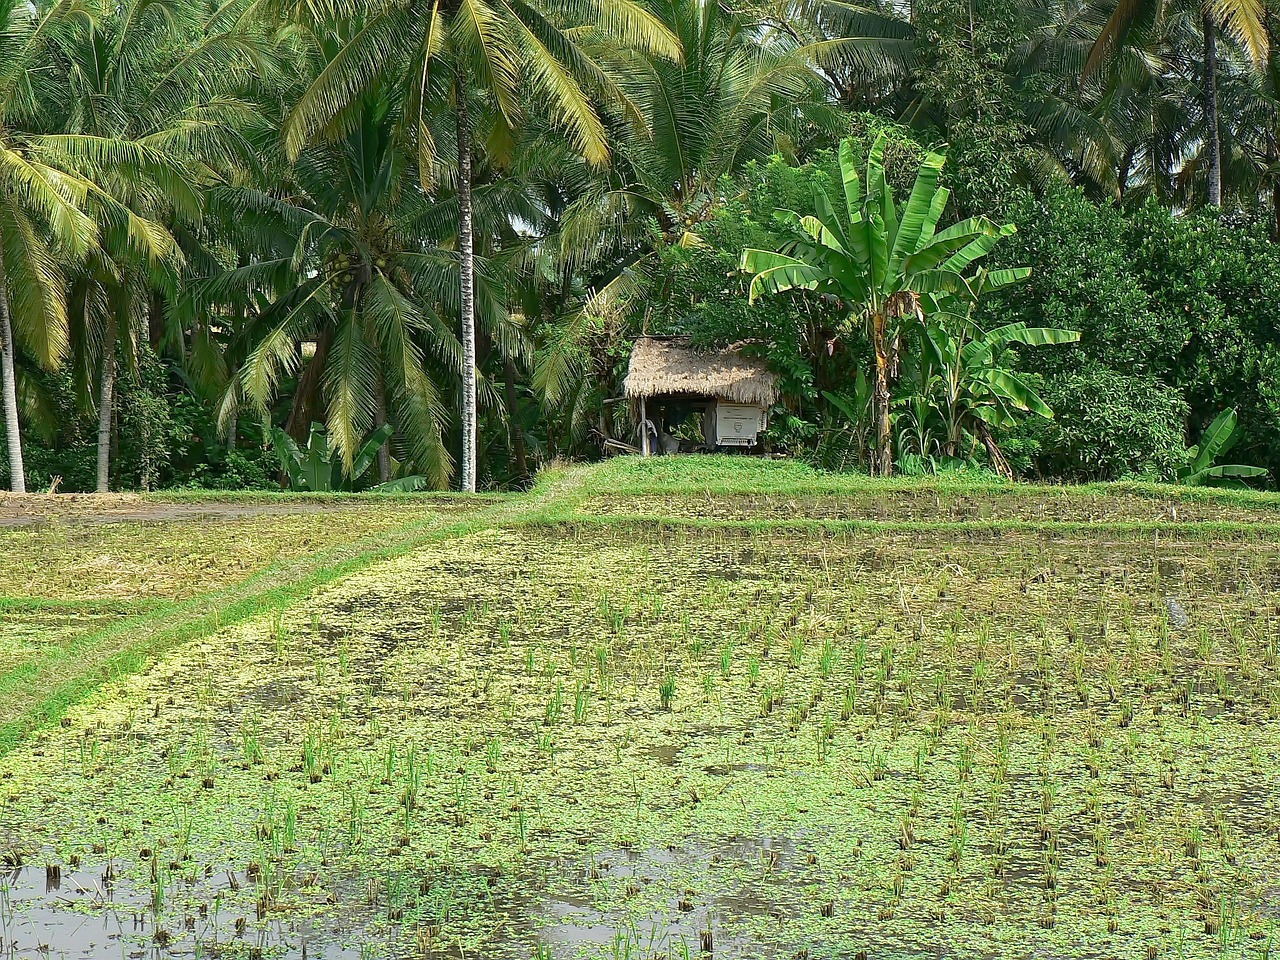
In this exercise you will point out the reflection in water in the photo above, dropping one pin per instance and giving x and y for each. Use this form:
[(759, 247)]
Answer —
[(88, 914)]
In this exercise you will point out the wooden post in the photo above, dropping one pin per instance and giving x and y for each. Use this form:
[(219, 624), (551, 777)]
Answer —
[(644, 430)]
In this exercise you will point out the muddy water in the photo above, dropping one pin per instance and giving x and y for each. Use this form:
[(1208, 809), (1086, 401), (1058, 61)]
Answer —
[(648, 914), (86, 914), (615, 903)]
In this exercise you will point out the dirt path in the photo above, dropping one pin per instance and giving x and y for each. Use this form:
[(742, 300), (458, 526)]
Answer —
[(39, 509), (34, 511)]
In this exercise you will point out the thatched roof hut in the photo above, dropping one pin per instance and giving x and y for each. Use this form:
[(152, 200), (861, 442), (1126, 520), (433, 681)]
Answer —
[(733, 392), (669, 366)]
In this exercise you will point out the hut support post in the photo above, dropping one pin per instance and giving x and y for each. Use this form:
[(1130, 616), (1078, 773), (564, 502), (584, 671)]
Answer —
[(644, 430)]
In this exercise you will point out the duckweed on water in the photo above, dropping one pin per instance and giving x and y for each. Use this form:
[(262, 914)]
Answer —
[(560, 740)]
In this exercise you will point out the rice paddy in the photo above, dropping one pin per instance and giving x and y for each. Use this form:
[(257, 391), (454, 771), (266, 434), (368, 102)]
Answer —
[(70, 566), (553, 730)]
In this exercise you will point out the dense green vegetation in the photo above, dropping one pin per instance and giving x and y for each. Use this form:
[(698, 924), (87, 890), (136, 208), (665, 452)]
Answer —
[(652, 708), (219, 221)]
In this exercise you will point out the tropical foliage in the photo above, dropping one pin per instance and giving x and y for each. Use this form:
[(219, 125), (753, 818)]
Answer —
[(967, 381), (890, 267), (444, 224), (318, 467), (1204, 469)]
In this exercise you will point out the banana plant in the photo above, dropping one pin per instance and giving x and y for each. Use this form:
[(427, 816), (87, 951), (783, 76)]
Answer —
[(855, 409), (887, 265), (969, 373), (319, 467), (1218, 439)]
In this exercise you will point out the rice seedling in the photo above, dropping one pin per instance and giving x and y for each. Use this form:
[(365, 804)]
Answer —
[(877, 764), (827, 659), (581, 701), (555, 707), (667, 690), (250, 743), (795, 650)]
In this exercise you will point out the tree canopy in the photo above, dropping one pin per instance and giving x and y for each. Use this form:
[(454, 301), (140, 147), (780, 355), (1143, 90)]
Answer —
[(231, 230)]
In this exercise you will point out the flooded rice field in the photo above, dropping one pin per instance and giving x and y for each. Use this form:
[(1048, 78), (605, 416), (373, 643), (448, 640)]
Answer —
[(561, 742)]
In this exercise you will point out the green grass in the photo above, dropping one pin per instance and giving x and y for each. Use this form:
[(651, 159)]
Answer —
[(726, 474), (638, 707), (742, 489)]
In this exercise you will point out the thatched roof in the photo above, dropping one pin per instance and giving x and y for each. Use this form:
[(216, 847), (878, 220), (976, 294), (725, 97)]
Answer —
[(669, 365)]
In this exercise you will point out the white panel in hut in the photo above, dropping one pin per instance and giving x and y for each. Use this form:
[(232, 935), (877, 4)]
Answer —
[(688, 400)]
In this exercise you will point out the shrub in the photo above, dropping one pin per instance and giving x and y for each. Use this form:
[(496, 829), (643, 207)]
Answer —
[(1109, 425), (1083, 278), (1183, 299)]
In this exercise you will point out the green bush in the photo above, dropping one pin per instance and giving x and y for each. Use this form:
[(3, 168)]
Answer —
[(146, 427), (1182, 303), (1083, 278), (1108, 426), (75, 467)]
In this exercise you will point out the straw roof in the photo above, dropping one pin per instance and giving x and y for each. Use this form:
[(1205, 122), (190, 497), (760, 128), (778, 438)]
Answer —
[(669, 365)]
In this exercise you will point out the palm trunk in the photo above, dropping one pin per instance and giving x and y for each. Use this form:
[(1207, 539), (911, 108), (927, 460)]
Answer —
[(384, 451), (9, 388), (1275, 209), (884, 443), (305, 407), (517, 435), (105, 404), (155, 323), (468, 306), (1125, 171), (1272, 156), (1211, 111)]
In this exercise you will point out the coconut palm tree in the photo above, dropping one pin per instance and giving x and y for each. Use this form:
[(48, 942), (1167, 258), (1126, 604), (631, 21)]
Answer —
[(1244, 21), (348, 263), (869, 53), (156, 115), (475, 65), (42, 201)]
